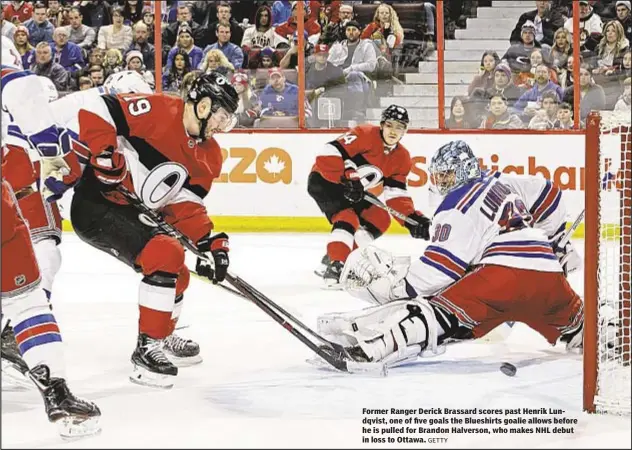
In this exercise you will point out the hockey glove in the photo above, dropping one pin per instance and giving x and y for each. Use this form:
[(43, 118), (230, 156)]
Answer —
[(218, 247), (109, 167), (353, 190), (422, 230)]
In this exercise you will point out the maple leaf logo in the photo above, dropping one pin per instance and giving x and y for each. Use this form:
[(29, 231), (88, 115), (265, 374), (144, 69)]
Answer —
[(274, 166)]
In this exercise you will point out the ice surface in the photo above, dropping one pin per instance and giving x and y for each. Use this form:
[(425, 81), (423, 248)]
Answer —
[(254, 388)]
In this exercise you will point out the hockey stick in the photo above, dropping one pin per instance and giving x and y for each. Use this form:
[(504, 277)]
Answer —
[(334, 354), (567, 236), (391, 211)]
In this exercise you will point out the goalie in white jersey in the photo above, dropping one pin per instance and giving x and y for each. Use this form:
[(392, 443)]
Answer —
[(485, 265)]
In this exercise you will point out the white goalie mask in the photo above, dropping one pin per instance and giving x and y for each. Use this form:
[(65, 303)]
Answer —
[(127, 82)]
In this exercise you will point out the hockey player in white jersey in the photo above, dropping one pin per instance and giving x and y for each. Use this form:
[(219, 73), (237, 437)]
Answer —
[(485, 265)]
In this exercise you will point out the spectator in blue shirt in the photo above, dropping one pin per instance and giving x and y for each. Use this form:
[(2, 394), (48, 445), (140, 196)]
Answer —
[(279, 98), (185, 42), (66, 54), (233, 52), (529, 102), (40, 29), (281, 12)]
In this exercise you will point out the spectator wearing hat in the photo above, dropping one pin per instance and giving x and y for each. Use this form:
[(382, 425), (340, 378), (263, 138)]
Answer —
[(546, 21), (354, 54), (134, 61), (233, 52), (45, 66), (17, 11), (23, 46), (67, 54), (8, 28), (290, 59), (170, 33), (40, 28), (503, 84), (117, 35), (141, 43), (590, 26), (287, 29), (279, 98), (625, 17), (321, 73), (186, 42), (79, 33), (249, 107), (225, 16), (267, 59), (261, 34), (485, 77), (517, 56), (176, 71)]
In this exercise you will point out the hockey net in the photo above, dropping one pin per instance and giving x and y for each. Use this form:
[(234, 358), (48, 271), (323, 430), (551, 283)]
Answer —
[(608, 183)]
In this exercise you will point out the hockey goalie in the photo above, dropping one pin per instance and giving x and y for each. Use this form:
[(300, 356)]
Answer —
[(486, 265)]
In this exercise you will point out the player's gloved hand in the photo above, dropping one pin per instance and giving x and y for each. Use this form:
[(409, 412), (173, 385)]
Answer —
[(109, 168), (353, 189), (421, 231), (218, 247), (56, 175)]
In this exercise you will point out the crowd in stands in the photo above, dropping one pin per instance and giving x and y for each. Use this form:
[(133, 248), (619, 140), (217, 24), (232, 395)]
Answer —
[(532, 84)]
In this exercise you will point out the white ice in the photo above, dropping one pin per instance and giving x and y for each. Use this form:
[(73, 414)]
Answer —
[(254, 388)]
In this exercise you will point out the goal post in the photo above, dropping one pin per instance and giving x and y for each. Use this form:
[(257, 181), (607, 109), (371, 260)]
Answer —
[(608, 261)]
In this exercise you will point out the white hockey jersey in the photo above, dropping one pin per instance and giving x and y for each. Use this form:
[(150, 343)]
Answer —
[(483, 222)]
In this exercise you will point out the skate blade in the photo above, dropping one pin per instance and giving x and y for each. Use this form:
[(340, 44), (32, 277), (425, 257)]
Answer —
[(331, 285), (353, 367), (184, 362), (73, 428), (145, 377)]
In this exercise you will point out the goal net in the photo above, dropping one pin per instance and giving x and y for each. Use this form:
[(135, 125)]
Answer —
[(608, 183)]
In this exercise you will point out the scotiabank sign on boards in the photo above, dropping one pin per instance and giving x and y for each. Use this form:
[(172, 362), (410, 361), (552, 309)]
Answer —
[(266, 174)]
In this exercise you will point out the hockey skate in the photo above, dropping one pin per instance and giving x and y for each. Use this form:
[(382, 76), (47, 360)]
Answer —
[(182, 352), (14, 368), (322, 267), (75, 418), (151, 365), (332, 275)]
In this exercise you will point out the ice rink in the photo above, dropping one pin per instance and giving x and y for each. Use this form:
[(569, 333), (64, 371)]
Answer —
[(254, 388)]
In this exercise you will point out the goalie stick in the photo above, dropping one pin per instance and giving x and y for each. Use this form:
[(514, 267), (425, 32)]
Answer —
[(334, 354), (393, 212)]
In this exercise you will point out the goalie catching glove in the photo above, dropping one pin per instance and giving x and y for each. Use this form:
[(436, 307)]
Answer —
[(217, 246)]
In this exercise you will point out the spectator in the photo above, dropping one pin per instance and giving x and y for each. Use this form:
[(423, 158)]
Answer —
[(214, 60), (546, 21), (67, 54), (485, 77), (113, 62), (281, 12), (170, 33), (79, 34), (458, 119), (40, 29), (593, 97), (134, 61), (132, 12), (334, 31), (623, 104), (96, 13), (233, 52), (18, 11), (590, 26), (531, 100), (55, 15), (612, 47), (567, 75), (261, 34), (517, 56), (185, 42), (148, 19), (625, 18), (564, 118), (287, 29), (354, 54), (8, 29), (177, 70), (477, 106), (545, 117), (85, 83), (525, 80), (385, 29), (267, 59), (249, 107), (224, 16), (23, 46), (96, 57), (500, 117), (279, 98), (45, 66), (140, 43), (321, 73), (504, 86), (117, 35), (202, 11), (561, 50), (96, 75), (290, 59)]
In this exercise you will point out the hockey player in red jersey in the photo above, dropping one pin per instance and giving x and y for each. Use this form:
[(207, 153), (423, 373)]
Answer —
[(25, 305), (367, 157), (151, 144)]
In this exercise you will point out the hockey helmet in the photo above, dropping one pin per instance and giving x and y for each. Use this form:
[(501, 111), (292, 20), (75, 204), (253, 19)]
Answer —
[(127, 82), (224, 101), (452, 166), (397, 113)]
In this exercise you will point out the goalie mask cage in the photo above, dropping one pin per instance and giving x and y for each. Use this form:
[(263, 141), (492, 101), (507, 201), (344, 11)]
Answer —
[(608, 253)]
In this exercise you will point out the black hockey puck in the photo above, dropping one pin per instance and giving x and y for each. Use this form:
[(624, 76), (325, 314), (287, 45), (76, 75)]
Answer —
[(508, 369)]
